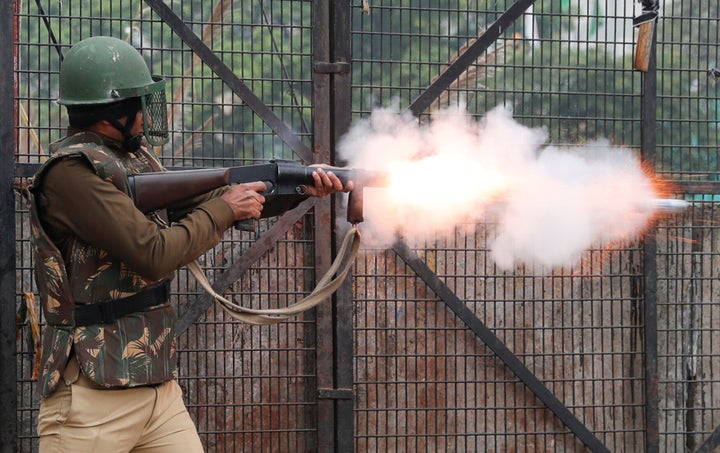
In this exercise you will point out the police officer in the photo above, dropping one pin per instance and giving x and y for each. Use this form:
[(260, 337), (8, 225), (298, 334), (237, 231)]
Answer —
[(102, 267)]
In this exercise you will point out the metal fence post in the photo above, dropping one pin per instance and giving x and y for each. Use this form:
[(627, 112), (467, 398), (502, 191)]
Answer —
[(332, 115), (341, 111), (648, 144), (324, 342), (8, 370)]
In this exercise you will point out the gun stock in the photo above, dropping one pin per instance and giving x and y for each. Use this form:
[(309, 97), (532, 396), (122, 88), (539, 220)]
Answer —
[(285, 182), (152, 191)]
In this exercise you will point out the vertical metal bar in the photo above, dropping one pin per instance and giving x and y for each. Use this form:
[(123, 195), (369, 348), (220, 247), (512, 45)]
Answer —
[(8, 369), (323, 249), (332, 93), (341, 105), (648, 144)]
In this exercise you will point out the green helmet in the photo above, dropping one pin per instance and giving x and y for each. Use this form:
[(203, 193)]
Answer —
[(103, 70)]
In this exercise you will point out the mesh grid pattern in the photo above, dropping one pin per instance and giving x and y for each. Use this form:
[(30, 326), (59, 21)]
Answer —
[(156, 110), (422, 380)]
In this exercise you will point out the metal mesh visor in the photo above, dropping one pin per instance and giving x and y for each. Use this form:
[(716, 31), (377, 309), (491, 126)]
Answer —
[(155, 119)]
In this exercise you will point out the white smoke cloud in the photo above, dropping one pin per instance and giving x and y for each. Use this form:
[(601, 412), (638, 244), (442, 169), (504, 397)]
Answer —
[(546, 204)]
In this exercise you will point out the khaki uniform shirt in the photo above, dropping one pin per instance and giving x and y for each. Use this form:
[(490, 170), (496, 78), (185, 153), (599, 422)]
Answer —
[(81, 204)]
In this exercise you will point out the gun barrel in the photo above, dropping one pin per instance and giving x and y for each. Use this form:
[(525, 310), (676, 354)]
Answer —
[(285, 181), (292, 175)]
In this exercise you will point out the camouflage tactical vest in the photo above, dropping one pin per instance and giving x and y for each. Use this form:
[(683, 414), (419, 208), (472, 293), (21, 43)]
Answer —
[(137, 349)]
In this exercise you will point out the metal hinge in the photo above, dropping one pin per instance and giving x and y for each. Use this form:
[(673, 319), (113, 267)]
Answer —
[(324, 67), (335, 394)]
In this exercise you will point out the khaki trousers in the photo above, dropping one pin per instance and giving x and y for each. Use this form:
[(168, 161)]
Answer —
[(81, 417)]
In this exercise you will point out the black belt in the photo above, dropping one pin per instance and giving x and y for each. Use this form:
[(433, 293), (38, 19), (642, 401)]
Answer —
[(109, 311)]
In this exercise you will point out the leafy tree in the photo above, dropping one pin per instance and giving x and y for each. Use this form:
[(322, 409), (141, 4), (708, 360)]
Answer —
[(688, 95), (267, 43), (570, 80)]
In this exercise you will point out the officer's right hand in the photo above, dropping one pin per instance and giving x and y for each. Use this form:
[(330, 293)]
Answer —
[(245, 199)]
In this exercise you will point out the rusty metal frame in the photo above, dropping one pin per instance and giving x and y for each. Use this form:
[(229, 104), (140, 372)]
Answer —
[(332, 97), (334, 376), (8, 370), (648, 143)]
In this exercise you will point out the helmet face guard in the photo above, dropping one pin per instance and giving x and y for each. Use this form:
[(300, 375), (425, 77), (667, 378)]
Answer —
[(154, 109)]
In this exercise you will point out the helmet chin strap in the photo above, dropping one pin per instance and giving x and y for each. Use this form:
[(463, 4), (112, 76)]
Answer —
[(131, 142)]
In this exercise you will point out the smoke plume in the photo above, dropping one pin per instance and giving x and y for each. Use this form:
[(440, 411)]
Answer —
[(544, 205)]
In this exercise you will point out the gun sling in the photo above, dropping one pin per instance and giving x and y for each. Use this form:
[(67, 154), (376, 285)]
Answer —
[(109, 311), (327, 285)]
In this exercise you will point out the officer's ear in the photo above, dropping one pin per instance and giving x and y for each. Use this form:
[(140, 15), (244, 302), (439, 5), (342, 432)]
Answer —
[(106, 128)]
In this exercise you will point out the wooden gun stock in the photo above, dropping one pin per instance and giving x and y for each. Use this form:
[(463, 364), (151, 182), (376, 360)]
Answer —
[(152, 191)]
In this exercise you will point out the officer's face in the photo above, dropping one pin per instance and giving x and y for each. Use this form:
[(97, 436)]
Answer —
[(137, 127)]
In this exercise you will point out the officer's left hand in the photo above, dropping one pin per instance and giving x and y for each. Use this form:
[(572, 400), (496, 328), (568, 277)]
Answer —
[(326, 182)]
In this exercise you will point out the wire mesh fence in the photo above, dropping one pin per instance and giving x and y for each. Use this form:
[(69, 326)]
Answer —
[(423, 380)]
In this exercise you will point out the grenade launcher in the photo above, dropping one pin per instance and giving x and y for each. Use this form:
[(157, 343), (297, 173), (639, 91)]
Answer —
[(285, 181)]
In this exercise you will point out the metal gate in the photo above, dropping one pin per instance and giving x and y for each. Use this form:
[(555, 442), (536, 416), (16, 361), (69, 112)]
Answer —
[(430, 347)]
